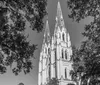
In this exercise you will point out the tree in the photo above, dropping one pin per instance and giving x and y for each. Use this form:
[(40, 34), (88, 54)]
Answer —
[(53, 81), (78, 65), (92, 61), (90, 48), (15, 15), (21, 84)]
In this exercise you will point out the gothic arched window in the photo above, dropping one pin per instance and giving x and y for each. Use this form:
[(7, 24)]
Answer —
[(49, 72), (63, 37), (65, 74), (55, 54), (65, 54), (45, 50), (48, 50), (41, 77), (62, 54)]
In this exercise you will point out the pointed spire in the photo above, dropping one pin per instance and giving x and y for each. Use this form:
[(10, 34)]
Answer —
[(59, 11), (46, 33), (59, 18)]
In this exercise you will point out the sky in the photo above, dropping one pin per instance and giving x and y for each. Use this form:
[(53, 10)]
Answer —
[(74, 29)]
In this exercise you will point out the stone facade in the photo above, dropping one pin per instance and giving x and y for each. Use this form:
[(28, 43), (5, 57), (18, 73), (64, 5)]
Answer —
[(55, 56)]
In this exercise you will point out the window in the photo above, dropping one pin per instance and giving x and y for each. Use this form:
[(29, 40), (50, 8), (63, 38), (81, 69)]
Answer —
[(48, 50), (63, 37), (62, 54), (45, 50), (59, 35), (65, 74), (49, 72), (55, 69), (65, 54), (55, 54), (41, 78)]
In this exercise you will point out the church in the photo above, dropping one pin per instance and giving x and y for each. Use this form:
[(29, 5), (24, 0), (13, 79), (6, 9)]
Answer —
[(55, 56)]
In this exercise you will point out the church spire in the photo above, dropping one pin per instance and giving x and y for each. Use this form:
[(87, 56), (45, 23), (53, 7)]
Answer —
[(46, 38), (59, 11), (59, 16), (59, 19)]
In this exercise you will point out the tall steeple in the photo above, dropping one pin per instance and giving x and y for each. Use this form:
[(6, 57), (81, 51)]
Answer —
[(59, 11), (56, 53), (59, 19), (46, 38), (59, 16)]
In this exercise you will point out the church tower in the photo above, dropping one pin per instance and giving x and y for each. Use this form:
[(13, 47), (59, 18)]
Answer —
[(61, 64), (44, 61), (55, 57)]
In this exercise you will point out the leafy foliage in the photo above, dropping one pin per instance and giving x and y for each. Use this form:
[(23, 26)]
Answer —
[(78, 64), (90, 48), (15, 15), (81, 9), (21, 84), (53, 81)]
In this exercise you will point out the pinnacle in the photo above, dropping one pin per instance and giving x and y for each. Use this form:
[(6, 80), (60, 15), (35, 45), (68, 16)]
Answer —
[(46, 33), (59, 18), (59, 11)]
